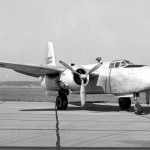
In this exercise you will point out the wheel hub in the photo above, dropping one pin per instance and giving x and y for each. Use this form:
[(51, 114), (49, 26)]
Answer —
[(59, 102)]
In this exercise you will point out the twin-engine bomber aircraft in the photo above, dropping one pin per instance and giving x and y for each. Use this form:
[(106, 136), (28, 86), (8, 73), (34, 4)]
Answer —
[(120, 78)]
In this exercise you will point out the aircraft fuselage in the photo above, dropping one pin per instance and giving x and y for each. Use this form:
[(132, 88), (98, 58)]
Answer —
[(130, 79)]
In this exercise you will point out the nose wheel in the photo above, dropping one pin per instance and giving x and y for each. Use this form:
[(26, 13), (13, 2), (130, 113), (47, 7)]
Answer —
[(137, 108), (62, 101)]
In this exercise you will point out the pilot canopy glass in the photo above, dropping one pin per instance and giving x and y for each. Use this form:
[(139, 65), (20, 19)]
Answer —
[(120, 63)]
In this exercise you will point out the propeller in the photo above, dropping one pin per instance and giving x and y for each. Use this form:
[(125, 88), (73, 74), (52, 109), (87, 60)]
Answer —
[(82, 77)]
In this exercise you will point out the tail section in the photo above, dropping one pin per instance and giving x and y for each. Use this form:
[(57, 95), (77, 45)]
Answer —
[(51, 55)]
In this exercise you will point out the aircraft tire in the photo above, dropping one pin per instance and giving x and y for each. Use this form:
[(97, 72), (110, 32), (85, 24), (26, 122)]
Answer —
[(62, 102), (138, 108), (125, 102)]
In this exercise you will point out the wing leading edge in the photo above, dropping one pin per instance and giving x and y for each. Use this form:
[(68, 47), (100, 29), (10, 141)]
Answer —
[(32, 70)]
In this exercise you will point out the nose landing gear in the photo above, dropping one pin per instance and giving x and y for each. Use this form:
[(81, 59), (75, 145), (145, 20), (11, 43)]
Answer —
[(137, 108)]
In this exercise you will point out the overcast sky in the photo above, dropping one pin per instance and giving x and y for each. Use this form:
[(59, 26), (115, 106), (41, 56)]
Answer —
[(80, 30)]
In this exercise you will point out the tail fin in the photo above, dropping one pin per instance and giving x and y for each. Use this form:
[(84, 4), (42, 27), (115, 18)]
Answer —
[(51, 55)]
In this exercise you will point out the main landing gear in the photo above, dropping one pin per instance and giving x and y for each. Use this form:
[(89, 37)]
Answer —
[(62, 100), (125, 102)]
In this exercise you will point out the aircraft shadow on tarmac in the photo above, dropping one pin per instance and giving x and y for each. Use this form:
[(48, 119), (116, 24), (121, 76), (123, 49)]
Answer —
[(95, 107)]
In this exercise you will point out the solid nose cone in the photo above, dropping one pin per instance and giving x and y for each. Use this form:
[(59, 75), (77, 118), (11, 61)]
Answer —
[(145, 78)]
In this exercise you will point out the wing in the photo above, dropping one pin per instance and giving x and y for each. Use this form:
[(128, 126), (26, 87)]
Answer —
[(32, 70)]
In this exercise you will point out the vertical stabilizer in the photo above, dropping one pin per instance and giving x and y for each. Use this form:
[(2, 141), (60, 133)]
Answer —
[(51, 55)]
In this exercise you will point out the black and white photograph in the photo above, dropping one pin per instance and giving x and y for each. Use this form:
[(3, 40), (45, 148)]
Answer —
[(74, 74)]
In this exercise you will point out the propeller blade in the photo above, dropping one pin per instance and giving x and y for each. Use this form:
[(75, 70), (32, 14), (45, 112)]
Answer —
[(82, 93), (68, 67), (93, 69), (147, 97)]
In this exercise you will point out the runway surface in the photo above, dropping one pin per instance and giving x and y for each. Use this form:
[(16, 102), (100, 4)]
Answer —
[(37, 124)]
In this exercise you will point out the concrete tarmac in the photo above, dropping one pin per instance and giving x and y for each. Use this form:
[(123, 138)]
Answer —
[(38, 124)]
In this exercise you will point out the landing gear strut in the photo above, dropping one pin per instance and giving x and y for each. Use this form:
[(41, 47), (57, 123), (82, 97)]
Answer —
[(62, 101), (125, 102), (137, 108)]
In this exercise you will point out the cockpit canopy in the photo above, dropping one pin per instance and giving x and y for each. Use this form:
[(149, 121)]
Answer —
[(120, 63)]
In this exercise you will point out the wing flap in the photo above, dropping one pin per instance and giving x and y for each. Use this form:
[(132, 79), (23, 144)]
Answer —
[(32, 70)]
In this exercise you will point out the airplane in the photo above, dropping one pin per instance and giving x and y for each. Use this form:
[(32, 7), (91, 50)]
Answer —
[(119, 77)]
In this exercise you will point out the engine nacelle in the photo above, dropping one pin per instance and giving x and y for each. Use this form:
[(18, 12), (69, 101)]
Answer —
[(72, 81), (50, 83)]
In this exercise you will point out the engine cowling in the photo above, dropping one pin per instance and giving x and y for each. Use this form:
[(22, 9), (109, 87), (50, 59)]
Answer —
[(72, 81)]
